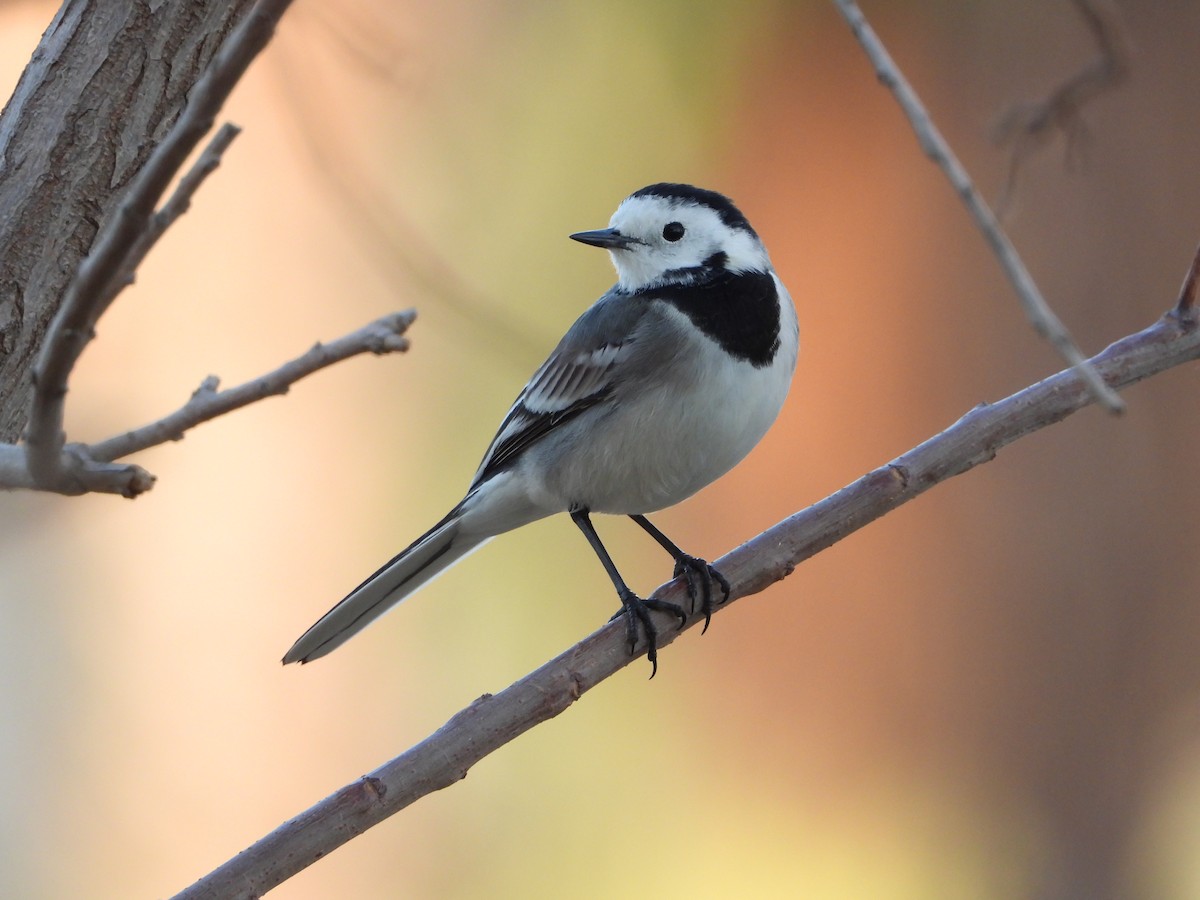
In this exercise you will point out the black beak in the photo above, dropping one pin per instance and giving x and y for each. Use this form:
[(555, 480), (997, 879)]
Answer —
[(608, 238)]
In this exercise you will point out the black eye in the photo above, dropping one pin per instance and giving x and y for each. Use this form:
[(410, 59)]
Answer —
[(672, 231)]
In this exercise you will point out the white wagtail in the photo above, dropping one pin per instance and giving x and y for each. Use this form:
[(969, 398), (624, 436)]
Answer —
[(660, 388)]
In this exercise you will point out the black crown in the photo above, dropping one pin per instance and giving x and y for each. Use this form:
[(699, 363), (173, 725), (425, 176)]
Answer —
[(718, 203)]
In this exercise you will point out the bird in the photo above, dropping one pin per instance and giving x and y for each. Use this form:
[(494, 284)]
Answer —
[(659, 388)]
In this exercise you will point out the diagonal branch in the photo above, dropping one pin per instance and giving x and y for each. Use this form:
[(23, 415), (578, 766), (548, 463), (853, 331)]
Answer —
[(90, 468), (1042, 317), (493, 720), (1185, 306), (107, 268), (179, 202)]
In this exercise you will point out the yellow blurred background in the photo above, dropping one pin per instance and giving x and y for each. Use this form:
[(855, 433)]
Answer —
[(991, 693)]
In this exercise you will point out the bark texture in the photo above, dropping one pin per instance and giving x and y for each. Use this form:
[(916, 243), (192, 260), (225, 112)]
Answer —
[(103, 86)]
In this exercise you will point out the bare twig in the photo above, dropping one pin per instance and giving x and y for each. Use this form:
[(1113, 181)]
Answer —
[(1044, 321), (80, 474), (493, 720), (1185, 306), (179, 202), (89, 468), (384, 335), (107, 265), (1027, 126)]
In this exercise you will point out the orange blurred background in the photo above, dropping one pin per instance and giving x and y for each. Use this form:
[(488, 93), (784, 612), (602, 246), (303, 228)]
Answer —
[(991, 693)]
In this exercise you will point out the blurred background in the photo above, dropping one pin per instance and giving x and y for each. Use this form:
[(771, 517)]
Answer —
[(991, 693)]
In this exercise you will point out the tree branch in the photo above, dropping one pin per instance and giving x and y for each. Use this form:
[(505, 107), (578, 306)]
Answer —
[(108, 267), (81, 473), (88, 468), (1185, 306), (103, 88), (382, 336), (493, 720), (179, 202), (1042, 317)]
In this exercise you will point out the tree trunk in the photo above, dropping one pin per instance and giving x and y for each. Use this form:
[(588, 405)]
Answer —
[(104, 84)]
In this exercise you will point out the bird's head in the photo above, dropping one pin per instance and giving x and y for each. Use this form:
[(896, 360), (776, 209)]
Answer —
[(675, 233)]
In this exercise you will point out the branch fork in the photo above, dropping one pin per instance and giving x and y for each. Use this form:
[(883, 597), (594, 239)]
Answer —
[(90, 468), (46, 461)]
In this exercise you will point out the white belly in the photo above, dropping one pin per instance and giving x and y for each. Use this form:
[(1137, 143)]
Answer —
[(659, 448)]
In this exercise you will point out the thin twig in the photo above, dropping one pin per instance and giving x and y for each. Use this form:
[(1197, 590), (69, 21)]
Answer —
[(89, 468), (1044, 321), (180, 200), (108, 263), (80, 474), (493, 720), (1185, 306), (384, 335), (1027, 126)]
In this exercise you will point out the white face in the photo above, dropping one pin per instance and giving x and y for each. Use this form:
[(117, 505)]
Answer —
[(697, 231)]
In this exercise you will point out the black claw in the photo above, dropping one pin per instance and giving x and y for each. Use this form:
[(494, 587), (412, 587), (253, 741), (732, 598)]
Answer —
[(700, 576), (636, 610)]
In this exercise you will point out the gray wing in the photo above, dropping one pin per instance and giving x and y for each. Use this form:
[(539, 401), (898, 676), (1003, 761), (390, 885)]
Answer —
[(576, 377)]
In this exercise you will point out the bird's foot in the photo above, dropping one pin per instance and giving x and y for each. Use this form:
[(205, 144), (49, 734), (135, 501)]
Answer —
[(700, 577), (636, 610)]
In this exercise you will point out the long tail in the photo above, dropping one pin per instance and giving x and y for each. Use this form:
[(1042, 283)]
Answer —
[(429, 555)]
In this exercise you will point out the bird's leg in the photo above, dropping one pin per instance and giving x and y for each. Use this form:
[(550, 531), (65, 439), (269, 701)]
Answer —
[(697, 572), (634, 608)]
